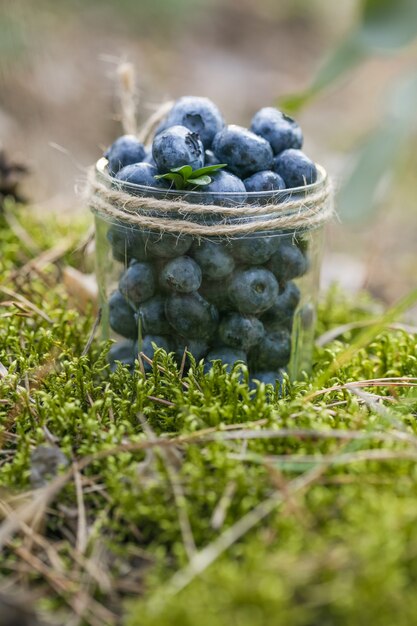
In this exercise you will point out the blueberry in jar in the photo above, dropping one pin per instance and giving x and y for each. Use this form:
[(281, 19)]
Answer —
[(279, 129), (267, 180), (166, 245), (253, 291), (296, 169), (200, 115), (124, 351), (228, 356), (244, 152), (197, 347), (267, 378), (214, 259), (141, 174), (240, 331), (124, 151), (254, 250), (191, 315), (121, 316), (216, 292), (146, 346), (125, 243), (151, 316), (137, 283), (182, 274), (273, 351), (288, 262), (225, 189), (281, 314), (177, 146)]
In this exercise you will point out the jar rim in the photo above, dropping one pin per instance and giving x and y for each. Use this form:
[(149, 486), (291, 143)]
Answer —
[(322, 178)]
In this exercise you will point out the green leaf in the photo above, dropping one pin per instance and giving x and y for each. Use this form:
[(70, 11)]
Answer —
[(177, 178), (207, 170), (184, 170), (201, 180)]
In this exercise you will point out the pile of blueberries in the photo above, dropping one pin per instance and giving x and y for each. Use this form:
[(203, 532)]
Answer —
[(229, 300)]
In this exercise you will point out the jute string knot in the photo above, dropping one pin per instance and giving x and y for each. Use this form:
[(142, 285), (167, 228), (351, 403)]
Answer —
[(188, 212)]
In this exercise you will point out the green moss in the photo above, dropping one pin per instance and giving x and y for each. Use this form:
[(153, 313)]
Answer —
[(342, 551)]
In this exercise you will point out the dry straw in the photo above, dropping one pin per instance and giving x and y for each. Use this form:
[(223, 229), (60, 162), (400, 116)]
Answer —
[(182, 213)]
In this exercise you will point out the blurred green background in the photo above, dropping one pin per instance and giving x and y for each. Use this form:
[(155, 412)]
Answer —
[(347, 70)]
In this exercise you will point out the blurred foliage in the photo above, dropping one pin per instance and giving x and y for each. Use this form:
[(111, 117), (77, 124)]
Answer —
[(383, 27)]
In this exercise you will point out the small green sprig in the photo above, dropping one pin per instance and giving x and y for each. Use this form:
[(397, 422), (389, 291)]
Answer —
[(185, 177)]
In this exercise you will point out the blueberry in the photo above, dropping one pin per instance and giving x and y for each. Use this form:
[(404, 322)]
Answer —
[(142, 174), (273, 351), (137, 284), (279, 129), (122, 241), (191, 315), (210, 158), (181, 274), (288, 262), (267, 378), (147, 348), (253, 290), (167, 245), (213, 258), (124, 151), (295, 168), (228, 356), (244, 152), (238, 331), (177, 146), (121, 316), (124, 351), (281, 313), (197, 347), (223, 185), (267, 180), (152, 318), (254, 250), (216, 292), (199, 115)]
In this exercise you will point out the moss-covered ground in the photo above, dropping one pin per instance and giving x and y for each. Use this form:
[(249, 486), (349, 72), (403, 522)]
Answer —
[(188, 500)]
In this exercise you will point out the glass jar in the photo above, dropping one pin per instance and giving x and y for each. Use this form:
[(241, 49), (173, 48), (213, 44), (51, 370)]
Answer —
[(235, 288)]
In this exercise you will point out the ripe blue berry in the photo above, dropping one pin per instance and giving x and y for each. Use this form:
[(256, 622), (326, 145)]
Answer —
[(216, 292), (177, 146), (124, 351), (228, 356), (121, 316), (238, 331), (254, 250), (253, 291), (151, 317), (142, 174), (181, 274), (288, 262), (281, 314), (244, 152), (137, 283), (295, 168), (267, 378), (267, 180), (191, 315), (214, 259), (200, 115), (148, 349), (197, 347), (166, 245), (124, 151), (273, 351), (279, 129), (225, 189)]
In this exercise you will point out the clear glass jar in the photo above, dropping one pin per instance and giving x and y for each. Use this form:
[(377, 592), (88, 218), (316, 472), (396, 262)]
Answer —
[(247, 297)]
